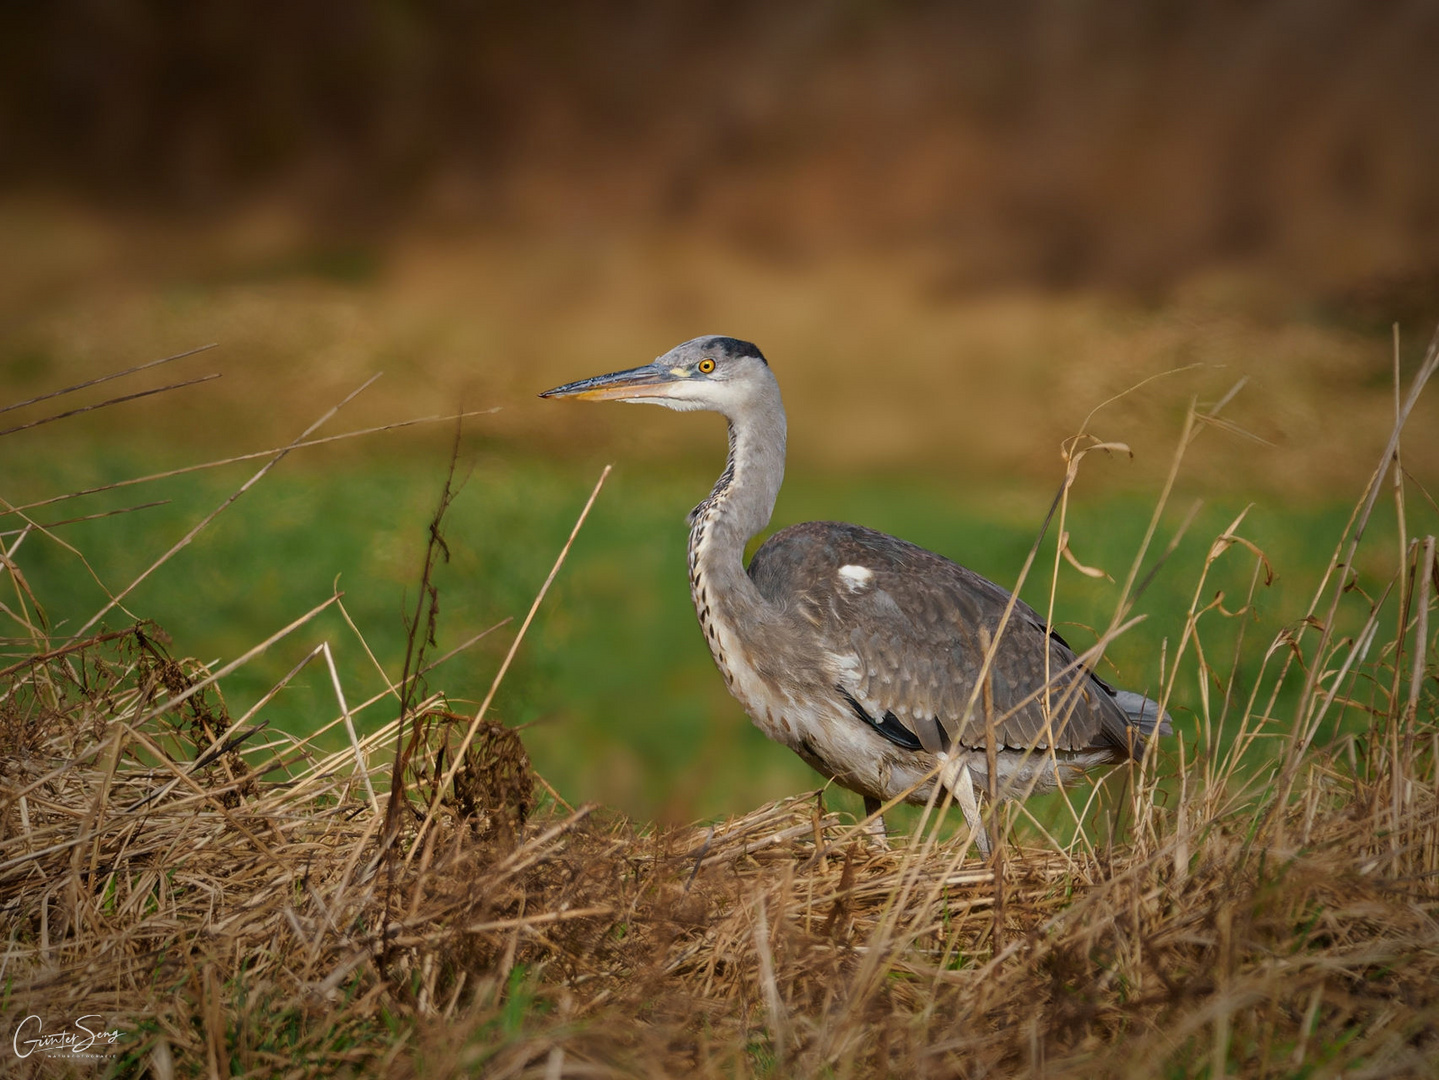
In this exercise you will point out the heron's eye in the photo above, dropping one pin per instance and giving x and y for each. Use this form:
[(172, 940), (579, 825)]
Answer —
[(706, 365)]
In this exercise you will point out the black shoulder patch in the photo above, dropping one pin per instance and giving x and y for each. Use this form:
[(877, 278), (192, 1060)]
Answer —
[(889, 727), (736, 347)]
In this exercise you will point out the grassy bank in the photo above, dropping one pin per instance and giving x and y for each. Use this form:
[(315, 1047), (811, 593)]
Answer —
[(232, 899), (601, 883), (622, 701)]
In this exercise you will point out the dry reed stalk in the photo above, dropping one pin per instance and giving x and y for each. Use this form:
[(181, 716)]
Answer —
[(79, 410), (199, 526), (108, 377), (253, 455)]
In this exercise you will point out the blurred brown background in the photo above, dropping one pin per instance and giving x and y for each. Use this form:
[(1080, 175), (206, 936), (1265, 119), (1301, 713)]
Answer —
[(915, 208), (1054, 142)]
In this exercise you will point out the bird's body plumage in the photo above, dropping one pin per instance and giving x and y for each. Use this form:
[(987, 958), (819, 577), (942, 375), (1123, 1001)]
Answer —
[(862, 652), (905, 659)]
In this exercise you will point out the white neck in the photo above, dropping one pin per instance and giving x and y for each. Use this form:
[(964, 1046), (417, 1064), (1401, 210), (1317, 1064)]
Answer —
[(739, 507)]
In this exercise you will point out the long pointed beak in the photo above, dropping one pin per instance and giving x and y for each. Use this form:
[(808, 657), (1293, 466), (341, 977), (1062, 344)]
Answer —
[(648, 383)]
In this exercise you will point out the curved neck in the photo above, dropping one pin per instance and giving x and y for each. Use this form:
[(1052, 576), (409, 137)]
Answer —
[(739, 506), (744, 495)]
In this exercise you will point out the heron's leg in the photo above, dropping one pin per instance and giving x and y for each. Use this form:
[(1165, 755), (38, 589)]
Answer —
[(875, 829), (963, 788)]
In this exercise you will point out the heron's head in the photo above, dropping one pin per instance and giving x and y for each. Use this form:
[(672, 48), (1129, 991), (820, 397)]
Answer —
[(723, 374)]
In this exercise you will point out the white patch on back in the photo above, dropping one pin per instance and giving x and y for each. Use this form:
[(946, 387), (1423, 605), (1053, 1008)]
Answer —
[(856, 579)]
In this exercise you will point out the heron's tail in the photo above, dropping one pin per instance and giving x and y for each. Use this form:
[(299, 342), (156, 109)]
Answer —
[(1144, 713)]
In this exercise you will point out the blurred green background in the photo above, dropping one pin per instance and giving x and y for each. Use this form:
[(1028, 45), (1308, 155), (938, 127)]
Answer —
[(955, 230)]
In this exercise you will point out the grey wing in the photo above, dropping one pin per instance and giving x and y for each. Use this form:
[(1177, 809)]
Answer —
[(906, 631)]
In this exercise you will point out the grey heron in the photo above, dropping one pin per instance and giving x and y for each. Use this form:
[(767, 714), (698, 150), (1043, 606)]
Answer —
[(861, 652)]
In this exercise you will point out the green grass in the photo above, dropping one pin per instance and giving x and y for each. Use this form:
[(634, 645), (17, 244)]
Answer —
[(621, 701)]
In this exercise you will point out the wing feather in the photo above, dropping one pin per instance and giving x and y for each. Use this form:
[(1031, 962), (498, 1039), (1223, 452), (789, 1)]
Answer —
[(908, 642)]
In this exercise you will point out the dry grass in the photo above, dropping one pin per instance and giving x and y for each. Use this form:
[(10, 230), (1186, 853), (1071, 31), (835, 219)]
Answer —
[(234, 902)]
